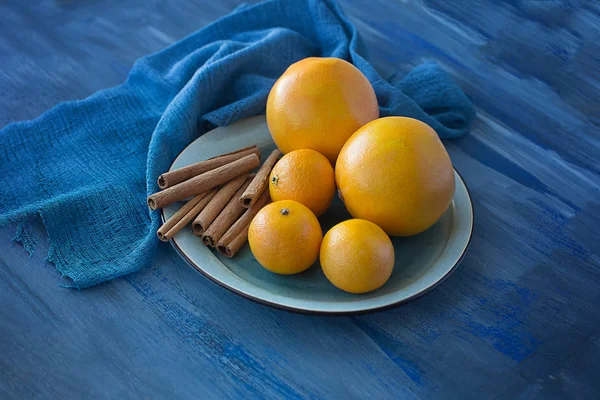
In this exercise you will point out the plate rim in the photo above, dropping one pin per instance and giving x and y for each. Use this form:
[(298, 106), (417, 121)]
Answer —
[(283, 307)]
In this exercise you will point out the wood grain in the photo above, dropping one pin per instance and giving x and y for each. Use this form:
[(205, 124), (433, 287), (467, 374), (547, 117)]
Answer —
[(519, 317)]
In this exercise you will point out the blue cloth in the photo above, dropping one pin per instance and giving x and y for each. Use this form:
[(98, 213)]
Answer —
[(86, 167)]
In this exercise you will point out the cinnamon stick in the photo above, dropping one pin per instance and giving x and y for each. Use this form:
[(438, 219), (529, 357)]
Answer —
[(226, 218), (203, 182), (216, 205), (260, 181), (172, 178), (237, 235), (184, 215), (230, 249)]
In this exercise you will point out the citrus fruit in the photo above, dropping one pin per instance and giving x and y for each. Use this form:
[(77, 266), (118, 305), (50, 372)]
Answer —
[(285, 237), (357, 256), (395, 172), (305, 176), (318, 103)]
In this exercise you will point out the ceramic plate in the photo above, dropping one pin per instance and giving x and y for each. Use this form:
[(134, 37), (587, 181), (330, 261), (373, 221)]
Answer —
[(422, 261)]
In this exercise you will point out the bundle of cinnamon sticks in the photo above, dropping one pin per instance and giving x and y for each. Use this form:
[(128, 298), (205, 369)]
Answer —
[(223, 196)]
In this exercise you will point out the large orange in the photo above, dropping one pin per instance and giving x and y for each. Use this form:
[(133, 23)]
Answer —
[(285, 237), (305, 176), (395, 172), (318, 103), (357, 256)]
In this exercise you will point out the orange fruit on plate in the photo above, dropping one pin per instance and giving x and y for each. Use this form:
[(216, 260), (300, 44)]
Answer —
[(305, 176), (357, 256), (395, 172), (285, 237), (318, 103)]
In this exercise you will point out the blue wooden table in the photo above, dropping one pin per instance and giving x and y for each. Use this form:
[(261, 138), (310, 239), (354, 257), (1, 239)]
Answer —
[(518, 319)]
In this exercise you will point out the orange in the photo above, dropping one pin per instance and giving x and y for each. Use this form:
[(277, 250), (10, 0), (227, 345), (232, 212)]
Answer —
[(285, 237), (357, 256), (318, 103), (395, 172), (306, 177)]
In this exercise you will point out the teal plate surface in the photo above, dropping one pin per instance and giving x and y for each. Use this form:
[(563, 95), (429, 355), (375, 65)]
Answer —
[(422, 261)]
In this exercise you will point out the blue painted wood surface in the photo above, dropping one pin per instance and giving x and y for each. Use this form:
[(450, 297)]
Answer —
[(518, 319)]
